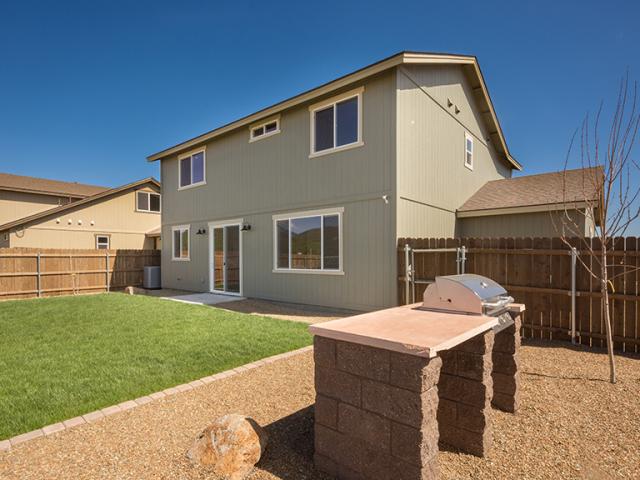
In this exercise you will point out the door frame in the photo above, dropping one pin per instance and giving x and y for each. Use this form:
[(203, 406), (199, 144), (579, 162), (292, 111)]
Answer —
[(221, 224)]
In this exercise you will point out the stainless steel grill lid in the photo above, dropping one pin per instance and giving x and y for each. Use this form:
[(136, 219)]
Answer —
[(467, 293)]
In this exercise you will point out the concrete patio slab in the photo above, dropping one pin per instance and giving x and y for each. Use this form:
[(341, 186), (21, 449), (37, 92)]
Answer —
[(203, 298)]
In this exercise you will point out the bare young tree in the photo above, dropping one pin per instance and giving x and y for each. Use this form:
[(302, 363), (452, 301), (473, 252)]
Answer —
[(609, 194)]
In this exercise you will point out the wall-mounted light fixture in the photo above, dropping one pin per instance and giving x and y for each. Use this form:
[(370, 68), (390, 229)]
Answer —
[(245, 227), (201, 231)]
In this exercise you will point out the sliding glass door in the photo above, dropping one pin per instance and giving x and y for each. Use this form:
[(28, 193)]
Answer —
[(226, 263)]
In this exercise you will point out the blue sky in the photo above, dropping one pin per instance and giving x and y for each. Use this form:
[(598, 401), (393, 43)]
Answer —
[(89, 89)]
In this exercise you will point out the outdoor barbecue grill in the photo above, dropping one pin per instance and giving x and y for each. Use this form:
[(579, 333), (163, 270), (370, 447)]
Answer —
[(469, 294)]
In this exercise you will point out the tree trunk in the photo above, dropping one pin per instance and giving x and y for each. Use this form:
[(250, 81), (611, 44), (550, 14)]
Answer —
[(604, 290)]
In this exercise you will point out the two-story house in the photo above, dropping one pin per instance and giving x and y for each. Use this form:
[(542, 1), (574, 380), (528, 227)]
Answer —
[(43, 213), (305, 200)]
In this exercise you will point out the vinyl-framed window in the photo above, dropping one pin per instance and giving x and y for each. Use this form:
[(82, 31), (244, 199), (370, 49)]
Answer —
[(264, 129), (180, 247), (147, 202), (102, 242), (336, 124), (192, 169), (468, 151), (308, 242)]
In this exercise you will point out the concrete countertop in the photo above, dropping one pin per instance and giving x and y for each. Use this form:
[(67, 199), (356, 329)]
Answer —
[(408, 329)]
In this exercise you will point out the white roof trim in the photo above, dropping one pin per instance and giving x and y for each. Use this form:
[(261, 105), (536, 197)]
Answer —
[(524, 209)]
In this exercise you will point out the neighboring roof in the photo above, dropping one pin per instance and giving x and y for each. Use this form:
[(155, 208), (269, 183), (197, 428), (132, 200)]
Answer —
[(401, 58), (19, 183), (154, 232), (73, 205), (539, 192)]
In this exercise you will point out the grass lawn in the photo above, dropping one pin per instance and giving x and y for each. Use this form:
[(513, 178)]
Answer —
[(66, 356)]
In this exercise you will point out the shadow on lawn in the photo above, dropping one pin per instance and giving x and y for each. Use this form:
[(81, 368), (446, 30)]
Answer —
[(289, 453)]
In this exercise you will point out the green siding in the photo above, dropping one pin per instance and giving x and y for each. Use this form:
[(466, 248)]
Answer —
[(275, 175), (432, 179)]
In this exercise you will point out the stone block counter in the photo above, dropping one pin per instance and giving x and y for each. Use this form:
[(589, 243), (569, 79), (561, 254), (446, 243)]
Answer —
[(392, 385)]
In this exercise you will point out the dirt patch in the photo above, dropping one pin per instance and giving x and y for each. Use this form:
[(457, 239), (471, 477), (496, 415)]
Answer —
[(287, 311), (573, 424)]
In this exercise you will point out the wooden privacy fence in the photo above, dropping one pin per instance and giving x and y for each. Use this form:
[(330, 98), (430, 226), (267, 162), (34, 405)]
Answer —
[(31, 272), (538, 273)]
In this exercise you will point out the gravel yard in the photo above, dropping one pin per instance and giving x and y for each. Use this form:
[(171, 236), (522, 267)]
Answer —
[(573, 424)]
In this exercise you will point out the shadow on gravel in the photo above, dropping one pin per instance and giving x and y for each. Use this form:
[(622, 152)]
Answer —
[(289, 453)]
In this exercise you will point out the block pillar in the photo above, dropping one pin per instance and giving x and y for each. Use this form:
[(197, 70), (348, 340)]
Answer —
[(375, 412), (466, 389), (506, 375)]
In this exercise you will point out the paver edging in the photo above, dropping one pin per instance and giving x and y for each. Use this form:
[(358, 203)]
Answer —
[(90, 417)]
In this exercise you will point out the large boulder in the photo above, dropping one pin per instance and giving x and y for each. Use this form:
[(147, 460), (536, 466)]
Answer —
[(232, 445)]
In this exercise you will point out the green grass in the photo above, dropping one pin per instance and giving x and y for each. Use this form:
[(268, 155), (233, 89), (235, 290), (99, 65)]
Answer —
[(66, 356)]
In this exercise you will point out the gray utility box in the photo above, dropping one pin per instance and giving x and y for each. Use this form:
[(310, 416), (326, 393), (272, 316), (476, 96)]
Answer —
[(151, 278)]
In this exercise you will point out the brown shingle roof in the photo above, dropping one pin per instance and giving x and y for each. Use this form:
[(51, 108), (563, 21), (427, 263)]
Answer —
[(106, 193), (21, 183), (531, 190)]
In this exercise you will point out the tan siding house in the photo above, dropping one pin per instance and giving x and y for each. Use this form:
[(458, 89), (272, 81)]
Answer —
[(305, 201), (21, 196), (120, 218)]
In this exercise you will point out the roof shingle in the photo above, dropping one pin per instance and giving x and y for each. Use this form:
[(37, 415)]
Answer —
[(21, 183), (543, 189)]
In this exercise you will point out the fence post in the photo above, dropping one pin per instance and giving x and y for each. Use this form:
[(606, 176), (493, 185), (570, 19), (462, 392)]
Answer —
[(574, 256), (407, 273), (106, 270), (38, 275), (458, 260)]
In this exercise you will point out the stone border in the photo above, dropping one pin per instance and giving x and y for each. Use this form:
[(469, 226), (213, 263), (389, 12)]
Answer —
[(6, 445)]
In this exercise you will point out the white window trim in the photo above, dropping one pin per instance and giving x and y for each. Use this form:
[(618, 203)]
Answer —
[(328, 103), (108, 237), (180, 228), (306, 214), (221, 224), (138, 209), (204, 168), (467, 136), (263, 124)]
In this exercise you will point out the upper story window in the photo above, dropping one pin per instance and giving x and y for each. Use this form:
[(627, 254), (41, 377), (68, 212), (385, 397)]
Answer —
[(180, 250), (309, 242), (336, 124), (468, 151), (191, 169), (263, 130), (147, 202)]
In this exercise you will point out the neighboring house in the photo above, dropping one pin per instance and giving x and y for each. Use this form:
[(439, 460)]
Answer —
[(305, 200), (534, 205), (126, 217), (21, 196)]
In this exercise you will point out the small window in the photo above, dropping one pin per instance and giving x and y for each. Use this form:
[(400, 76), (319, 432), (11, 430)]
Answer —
[(308, 243), (337, 124), (263, 130), (191, 171), (148, 202), (468, 151), (102, 242), (180, 242)]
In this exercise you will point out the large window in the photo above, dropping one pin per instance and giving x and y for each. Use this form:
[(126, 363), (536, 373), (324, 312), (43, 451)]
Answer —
[(468, 151), (337, 124), (191, 170), (180, 242), (310, 242), (147, 202)]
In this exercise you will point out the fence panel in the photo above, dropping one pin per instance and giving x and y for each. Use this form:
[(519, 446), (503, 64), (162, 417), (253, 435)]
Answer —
[(31, 272), (538, 273)]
